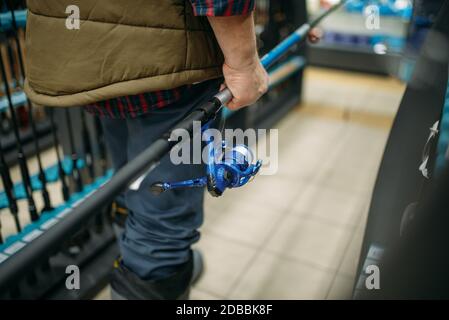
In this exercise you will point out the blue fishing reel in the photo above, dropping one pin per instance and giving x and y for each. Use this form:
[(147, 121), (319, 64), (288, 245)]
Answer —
[(226, 168)]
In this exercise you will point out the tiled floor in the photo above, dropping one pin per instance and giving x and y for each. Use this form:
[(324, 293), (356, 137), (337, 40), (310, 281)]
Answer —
[(297, 234)]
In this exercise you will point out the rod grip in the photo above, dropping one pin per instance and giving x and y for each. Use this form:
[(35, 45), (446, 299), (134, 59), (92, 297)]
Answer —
[(224, 96)]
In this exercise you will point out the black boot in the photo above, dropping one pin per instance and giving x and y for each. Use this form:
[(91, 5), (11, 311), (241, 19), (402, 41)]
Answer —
[(125, 285)]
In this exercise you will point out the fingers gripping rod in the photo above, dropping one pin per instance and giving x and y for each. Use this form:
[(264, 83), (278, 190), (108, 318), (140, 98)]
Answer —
[(236, 168), (298, 36)]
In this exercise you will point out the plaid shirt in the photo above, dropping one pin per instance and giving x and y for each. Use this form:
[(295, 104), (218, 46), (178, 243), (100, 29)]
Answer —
[(136, 105)]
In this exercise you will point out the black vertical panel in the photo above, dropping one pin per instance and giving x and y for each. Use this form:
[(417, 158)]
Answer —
[(399, 182)]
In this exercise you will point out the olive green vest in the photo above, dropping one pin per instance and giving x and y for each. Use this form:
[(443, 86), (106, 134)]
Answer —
[(122, 47)]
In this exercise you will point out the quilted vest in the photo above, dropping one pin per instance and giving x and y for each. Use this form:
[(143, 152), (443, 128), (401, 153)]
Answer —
[(122, 47)]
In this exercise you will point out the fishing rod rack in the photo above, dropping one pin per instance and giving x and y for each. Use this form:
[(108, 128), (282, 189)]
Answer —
[(52, 160)]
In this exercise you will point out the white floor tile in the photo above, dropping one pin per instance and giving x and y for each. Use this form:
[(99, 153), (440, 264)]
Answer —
[(273, 277), (250, 223), (342, 288), (275, 192), (197, 294), (329, 204), (310, 241), (225, 261), (351, 257)]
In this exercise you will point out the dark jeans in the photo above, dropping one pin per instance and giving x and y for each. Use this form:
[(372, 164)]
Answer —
[(160, 229)]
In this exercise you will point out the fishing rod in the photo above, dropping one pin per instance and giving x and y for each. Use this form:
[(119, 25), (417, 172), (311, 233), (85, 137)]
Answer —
[(8, 186), (61, 171), (20, 155), (37, 147), (88, 151), (130, 174), (102, 152), (76, 174)]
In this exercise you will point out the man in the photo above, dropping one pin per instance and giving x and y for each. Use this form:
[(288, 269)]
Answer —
[(141, 66)]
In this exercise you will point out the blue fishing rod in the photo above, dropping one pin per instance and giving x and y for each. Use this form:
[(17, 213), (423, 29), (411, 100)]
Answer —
[(235, 167)]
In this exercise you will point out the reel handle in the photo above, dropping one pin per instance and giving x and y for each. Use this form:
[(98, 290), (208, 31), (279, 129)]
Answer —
[(159, 187)]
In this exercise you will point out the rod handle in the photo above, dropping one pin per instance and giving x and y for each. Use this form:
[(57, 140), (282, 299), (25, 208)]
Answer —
[(224, 96)]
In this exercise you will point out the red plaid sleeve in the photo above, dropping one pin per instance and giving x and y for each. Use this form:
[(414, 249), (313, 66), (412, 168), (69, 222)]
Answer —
[(222, 8)]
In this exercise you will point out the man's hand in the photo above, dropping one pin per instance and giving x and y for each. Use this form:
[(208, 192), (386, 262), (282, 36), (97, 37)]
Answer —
[(247, 83), (243, 73)]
